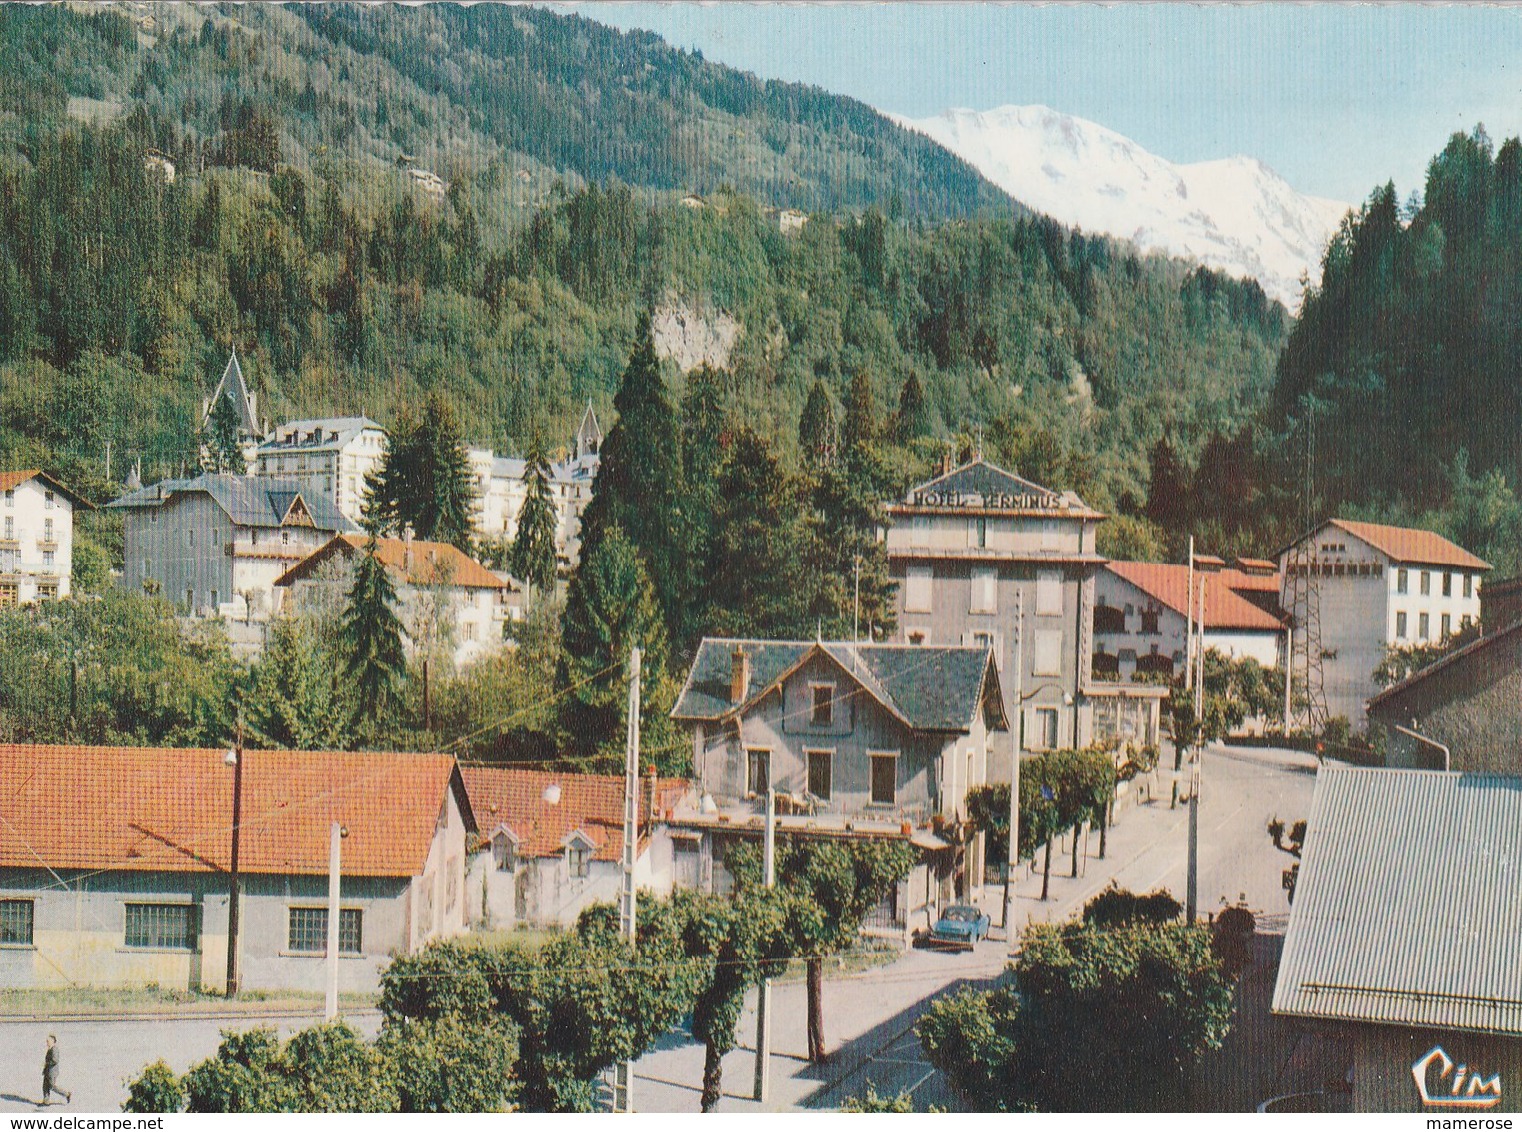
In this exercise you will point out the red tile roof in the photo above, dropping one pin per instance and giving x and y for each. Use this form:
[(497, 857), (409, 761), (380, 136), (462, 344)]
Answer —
[(591, 803), (427, 563), (1404, 544), (1168, 584), (9, 480), (1252, 582), (147, 809)]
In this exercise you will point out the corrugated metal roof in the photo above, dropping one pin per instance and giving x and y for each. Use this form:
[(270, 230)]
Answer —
[(1408, 909)]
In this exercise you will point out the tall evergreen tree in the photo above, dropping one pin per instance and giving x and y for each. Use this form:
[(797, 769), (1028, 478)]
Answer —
[(611, 607), (861, 413), (424, 482), (913, 420), (374, 661), (706, 423), (818, 430), (222, 451), (754, 570), (641, 488), (533, 554), (1168, 492)]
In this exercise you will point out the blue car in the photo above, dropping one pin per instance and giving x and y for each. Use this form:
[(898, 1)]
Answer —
[(960, 926)]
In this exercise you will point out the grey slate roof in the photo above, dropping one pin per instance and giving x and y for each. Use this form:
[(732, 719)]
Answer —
[(929, 687), (233, 386), (982, 478), (248, 500), (316, 434), (1408, 908)]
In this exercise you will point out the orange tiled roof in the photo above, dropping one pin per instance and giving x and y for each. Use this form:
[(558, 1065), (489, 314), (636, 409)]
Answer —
[(145, 809), (1405, 544), (1241, 580), (591, 803), (430, 564), (9, 480), (1168, 584)]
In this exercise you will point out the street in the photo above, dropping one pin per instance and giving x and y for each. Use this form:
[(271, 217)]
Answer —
[(869, 1017)]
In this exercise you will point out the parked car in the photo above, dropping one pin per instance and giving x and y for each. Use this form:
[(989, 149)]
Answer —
[(960, 925)]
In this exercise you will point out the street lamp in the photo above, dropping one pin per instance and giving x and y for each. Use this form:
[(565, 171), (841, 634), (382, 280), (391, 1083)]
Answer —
[(234, 759)]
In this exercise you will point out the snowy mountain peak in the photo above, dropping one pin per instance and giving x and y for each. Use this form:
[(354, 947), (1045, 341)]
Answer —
[(1233, 214)]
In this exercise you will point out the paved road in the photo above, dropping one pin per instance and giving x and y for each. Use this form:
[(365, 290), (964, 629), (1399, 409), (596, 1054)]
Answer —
[(869, 1017)]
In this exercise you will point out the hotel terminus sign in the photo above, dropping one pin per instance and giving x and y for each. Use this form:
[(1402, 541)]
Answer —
[(993, 501)]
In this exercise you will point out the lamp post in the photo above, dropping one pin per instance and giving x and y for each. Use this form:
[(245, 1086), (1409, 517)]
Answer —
[(336, 834), (235, 759)]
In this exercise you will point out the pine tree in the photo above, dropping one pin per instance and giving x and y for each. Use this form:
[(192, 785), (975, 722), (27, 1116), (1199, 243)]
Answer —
[(220, 440), (533, 553), (1168, 492), (610, 608), (913, 420), (641, 488), (860, 427), (755, 577), (297, 701), (424, 482), (371, 634), (818, 431)]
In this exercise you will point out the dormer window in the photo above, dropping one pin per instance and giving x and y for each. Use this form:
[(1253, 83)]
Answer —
[(822, 704), (503, 853), (578, 859)]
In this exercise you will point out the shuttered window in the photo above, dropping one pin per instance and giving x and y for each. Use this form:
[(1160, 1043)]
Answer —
[(917, 581)]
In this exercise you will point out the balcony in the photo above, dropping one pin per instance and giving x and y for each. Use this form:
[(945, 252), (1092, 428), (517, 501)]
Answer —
[(10, 544), (44, 544)]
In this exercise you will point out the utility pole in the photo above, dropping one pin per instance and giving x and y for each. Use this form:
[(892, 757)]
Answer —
[(427, 704), (236, 756), (1016, 726), (623, 1071), (1191, 901), (335, 854), (1289, 651), (1189, 623), (764, 988), (855, 604)]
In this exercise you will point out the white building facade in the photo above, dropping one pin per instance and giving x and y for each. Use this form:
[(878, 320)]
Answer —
[(36, 537), (1376, 587), (327, 457)]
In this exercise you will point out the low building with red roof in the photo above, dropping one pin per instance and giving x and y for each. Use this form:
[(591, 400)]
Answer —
[(1141, 616), (440, 589), (114, 864), (550, 844), (1377, 587)]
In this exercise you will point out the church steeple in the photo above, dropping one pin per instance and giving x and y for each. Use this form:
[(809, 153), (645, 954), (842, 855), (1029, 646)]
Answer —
[(588, 434)]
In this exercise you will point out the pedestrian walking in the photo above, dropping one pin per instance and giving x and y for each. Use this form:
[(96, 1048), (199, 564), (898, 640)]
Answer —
[(50, 1074)]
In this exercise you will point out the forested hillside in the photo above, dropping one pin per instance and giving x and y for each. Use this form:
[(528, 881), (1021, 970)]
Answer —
[(346, 286)]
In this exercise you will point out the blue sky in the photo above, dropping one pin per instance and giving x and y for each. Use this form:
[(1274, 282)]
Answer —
[(1336, 98)]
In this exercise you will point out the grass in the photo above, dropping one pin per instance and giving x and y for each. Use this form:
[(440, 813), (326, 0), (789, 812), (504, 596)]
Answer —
[(112, 1001)]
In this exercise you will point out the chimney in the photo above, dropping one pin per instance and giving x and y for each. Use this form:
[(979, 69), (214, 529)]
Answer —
[(739, 675), (407, 550)]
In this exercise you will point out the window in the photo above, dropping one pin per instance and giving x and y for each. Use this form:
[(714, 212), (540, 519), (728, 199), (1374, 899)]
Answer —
[(1422, 625), (1051, 537), (884, 779), (822, 704), (47, 500), (578, 860), (1048, 592), (1468, 585), (47, 557), (1447, 626), (47, 530), (1447, 584), (1402, 581), (985, 587), (1046, 729), (820, 766), (502, 853), (216, 599), (1048, 653), (10, 593), (468, 631), (10, 527), (16, 923), (1426, 582), (163, 926), (190, 536), (10, 497), (1149, 621), (190, 600), (1400, 626), (47, 591), (758, 770), (285, 538), (917, 589), (977, 532), (309, 931)]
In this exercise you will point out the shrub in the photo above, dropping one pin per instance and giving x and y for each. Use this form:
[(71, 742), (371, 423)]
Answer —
[(155, 1089)]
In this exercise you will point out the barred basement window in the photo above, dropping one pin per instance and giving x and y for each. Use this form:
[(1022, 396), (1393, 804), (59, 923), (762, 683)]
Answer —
[(16, 922), (166, 926), (309, 931)]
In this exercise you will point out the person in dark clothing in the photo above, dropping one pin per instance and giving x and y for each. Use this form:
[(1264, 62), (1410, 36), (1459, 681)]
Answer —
[(50, 1074)]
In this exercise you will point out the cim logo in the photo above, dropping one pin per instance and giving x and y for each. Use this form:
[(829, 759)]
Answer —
[(1467, 1090)]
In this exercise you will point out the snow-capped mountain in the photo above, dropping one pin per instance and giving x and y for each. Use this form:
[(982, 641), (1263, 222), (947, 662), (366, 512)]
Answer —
[(1235, 215)]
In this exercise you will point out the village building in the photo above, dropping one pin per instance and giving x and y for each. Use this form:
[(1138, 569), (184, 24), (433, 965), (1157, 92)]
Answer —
[(501, 490), (245, 405), (551, 845), (445, 598), (1374, 587), (1405, 936), (856, 740), (1463, 712), (1142, 614), (36, 537), (327, 457), (114, 865), (982, 557), (214, 545)]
